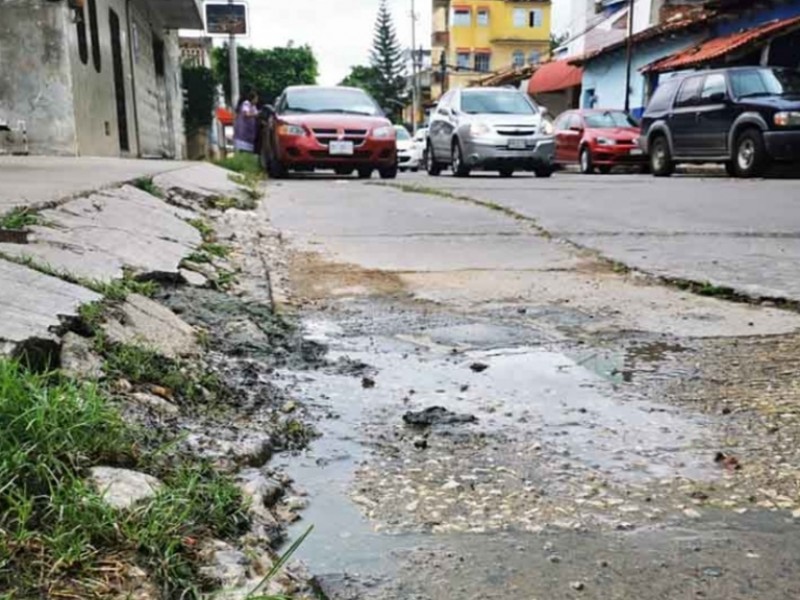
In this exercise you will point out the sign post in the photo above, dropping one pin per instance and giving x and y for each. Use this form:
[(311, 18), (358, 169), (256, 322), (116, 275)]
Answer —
[(230, 19), (233, 55)]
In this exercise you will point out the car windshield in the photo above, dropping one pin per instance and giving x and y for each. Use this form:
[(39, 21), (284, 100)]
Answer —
[(330, 100), (402, 134), (765, 82), (609, 119), (496, 103)]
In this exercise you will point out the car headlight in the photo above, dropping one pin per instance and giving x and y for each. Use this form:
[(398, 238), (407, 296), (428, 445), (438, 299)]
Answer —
[(604, 141), (384, 133), (787, 118), (479, 129), (546, 128), (288, 129)]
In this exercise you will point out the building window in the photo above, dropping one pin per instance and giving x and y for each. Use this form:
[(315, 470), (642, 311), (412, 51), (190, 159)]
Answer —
[(462, 60), (483, 62), (462, 17), (524, 17), (534, 57), (518, 58), (158, 57), (92, 5), (483, 17), (83, 46)]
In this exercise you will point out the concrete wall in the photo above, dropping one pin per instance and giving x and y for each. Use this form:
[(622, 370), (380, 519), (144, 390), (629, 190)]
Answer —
[(70, 105), (35, 76), (95, 95), (606, 74)]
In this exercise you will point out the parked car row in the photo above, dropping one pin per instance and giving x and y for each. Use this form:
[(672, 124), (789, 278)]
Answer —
[(745, 118)]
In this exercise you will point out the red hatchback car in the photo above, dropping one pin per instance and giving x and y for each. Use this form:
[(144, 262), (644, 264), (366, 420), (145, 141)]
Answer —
[(337, 128), (598, 139)]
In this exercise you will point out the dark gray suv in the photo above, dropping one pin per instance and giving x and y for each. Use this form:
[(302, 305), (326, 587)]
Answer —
[(743, 117)]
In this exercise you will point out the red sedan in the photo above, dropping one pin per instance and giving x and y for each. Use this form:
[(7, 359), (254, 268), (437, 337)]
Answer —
[(598, 139), (337, 128)]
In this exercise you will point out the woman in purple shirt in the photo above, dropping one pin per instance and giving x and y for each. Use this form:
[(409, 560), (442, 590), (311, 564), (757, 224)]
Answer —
[(245, 128)]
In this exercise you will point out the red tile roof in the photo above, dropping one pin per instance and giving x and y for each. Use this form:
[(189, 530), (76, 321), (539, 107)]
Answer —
[(716, 48), (650, 33), (554, 76)]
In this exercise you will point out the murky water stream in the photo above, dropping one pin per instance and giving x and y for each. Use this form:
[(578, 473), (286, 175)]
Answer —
[(544, 420)]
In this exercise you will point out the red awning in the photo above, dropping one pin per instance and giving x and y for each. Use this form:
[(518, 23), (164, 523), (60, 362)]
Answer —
[(554, 76), (717, 48)]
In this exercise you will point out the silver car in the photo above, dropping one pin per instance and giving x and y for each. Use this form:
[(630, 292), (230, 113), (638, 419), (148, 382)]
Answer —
[(491, 129)]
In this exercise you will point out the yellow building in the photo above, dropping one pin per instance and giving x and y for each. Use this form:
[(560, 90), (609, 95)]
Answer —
[(483, 36)]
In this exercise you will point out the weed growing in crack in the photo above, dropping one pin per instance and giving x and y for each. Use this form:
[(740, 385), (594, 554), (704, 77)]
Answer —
[(205, 228), (146, 185), (114, 290), (143, 366), (276, 568), (20, 218)]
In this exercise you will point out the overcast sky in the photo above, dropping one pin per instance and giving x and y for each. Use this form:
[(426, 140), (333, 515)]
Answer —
[(340, 31)]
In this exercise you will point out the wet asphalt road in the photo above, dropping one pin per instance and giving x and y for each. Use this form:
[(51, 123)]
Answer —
[(590, 472), (737, 233)]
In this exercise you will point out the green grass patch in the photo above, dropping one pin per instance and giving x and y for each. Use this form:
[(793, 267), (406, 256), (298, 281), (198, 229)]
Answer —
[(242, 162), (59, 539), (146, 185), (20, 218)]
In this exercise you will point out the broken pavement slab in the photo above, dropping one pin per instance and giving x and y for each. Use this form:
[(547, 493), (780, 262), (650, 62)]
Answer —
[(33, 304), (198, 186), (98, 236), (147, 323), (40, 181)]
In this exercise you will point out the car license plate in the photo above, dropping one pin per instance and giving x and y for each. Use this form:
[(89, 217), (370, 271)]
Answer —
[(516, 144), (338, 148), (637, 152)]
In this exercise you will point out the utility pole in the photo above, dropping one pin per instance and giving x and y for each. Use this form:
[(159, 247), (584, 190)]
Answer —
[(233, 56), (629, 57), (414, 90)]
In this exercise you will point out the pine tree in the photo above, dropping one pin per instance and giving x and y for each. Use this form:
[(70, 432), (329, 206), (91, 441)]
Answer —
[(387, 57)]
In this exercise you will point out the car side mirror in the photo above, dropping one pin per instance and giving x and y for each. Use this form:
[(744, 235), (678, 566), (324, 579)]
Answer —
[(267, 111), (543, 111), (718, 97), (577, 128)]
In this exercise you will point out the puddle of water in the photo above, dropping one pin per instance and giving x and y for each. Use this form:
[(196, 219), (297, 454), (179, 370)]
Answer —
[(527, 392)]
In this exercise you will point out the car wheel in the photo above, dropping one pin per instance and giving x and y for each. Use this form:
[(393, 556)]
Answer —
[(661, 158), (506, 172), (604, 169), (344, 172), (544, 172), (751, 154), (364, 173), (431, 166), (275, 168), (587, 167), (414, 169), (388, 173), (730, 168), (460, 168)]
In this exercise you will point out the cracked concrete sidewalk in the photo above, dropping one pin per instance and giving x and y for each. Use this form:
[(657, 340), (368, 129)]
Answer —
[(95, 229)]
